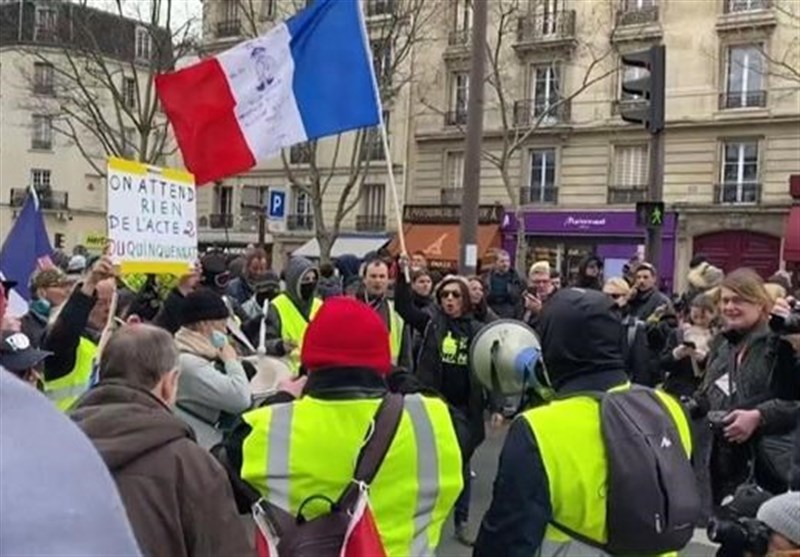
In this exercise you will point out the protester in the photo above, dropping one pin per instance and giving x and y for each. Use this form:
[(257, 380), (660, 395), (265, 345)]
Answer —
[(57, 497), (74, 336), (242, 288), (781, 515), (504, 287), (213, 386), (645, 298), (590, 273), (266, 287), (555, 280), (419, 262), (635, 351), (348, 266), (477, 298), (540, 288), (553, 466), (177, 496), (49, 289), (376, 286), (330, 284), (290, 312), (170, 315), (751, 376), (21, 358), (347, 355), (448, 328), (77, 266)]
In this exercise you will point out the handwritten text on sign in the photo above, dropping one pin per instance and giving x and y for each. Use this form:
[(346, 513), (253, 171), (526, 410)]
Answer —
[(152, 215)]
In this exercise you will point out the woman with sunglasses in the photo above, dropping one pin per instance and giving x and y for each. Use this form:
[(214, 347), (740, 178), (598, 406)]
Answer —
[(448, 327)]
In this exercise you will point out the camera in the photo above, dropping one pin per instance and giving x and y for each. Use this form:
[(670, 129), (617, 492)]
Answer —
[(789, 325), (736, 528)]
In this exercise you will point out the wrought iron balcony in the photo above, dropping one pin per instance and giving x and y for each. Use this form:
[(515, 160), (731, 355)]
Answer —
[(46, 89), (370, 223), (451, 196), (300, 222), (547, 195), (739, 6), (737, 193), (379, 7), (372, 147), (459, 37), (220, 220), (229, 28), (528, 111), (455, 117), (626, 195), (637, 16), (546, 27), (49, 200), (41, 144), (742, 99)]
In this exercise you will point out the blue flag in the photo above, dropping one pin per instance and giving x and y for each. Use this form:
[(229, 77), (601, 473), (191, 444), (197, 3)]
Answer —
[(26, 249)]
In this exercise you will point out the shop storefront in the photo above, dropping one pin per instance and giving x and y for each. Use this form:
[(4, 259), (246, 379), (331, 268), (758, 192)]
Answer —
[(566, 237)]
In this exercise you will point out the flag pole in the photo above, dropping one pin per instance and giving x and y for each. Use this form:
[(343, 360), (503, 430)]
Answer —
[(398, 213)]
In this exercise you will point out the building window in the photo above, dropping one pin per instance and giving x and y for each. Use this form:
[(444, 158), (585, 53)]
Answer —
[(638, 5), (545, 14), (455, 170), (372, 147), (631, 73), (253, 202), (45, 23), (637, 12), (745, 5), (129, 92), (630, 178), (300, 154), (546, 91), (223, 200), (142, 44), (40, 180), (462, 22), (42, 132), (302, 217), (459, 96), (379, 7), (43, 78), (373, 208), (745, 70), (739, 172), (382, 61), (543, 176), (229, 23)]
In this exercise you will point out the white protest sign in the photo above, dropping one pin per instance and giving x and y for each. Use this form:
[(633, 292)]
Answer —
[(151, 218)]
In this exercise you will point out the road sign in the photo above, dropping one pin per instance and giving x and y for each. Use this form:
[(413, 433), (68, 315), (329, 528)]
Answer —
[(649, 214), (276, 209)]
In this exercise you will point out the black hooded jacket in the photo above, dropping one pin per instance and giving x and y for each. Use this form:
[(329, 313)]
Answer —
[(584, 280), (297, 268)]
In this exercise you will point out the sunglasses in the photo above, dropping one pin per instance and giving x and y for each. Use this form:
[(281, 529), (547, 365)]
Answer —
[(455, 294)]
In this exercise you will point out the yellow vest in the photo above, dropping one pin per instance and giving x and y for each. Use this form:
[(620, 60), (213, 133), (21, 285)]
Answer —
[(293, 325), (309, 447), (395, 332), (65, 390), (571, 445)]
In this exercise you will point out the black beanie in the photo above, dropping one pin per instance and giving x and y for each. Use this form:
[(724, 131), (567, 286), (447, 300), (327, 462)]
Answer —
[(203, 305)]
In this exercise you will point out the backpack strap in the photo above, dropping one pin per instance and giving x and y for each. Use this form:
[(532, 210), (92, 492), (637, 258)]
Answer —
[(580, 537), (382, 431)]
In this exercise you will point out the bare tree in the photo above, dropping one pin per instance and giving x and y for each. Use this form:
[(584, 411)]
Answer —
[(395, 29), (102, 96)]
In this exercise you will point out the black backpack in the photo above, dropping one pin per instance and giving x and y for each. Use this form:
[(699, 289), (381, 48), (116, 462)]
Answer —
[(652, 499), (324, 536)]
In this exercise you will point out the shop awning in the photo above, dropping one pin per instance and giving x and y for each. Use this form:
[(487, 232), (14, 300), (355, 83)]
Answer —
[(344, 245), (441, 243), (791, 242)]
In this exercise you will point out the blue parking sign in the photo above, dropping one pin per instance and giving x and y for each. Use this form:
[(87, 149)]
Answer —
[(277, 204)]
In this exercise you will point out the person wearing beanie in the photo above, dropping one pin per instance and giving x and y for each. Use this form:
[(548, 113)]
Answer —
[(448, 327), (545, 477), (347, 354), (781, 514), (213, 387)]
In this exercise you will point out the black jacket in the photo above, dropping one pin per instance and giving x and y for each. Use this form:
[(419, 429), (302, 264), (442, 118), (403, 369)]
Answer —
[(170, 315), (34, 326), (645, 303), (64, 336), (638, 362), (680, 378), (506, 302)]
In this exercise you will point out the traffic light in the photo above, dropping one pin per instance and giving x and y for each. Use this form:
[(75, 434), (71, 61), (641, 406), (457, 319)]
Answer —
[(59, 240), (650, 111), (649, 214)]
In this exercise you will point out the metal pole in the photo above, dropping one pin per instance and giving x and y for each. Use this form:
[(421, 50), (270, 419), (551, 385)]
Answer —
[(262, 229), (472, 156), (655, 193)]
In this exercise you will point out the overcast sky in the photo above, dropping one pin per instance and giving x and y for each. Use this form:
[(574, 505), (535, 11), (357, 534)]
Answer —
[(183, 10)]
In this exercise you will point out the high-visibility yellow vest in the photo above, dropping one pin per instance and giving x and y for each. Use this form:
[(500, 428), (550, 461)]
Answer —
[(65, 390), (576, 470), (396, 325), (293, 325), (412, 493)]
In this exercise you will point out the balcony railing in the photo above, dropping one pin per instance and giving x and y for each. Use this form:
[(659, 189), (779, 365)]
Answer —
[(49, 200), (738, 6), (41, 144), (43, 89), (459, 37), (229, 28), (538, 195), (637, 16), (451, 196), (535, 28), (372, 148), (742, 99), (300, 222), (455, 117), (732, 193), (380, 7), (370, 223), (625, 195), (220, 220), (528, 111)]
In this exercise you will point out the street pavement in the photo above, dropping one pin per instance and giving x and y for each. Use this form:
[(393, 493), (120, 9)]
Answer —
[(484, 463)]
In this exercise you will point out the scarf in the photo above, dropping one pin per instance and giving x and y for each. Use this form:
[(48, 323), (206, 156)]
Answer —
[(195, 343)]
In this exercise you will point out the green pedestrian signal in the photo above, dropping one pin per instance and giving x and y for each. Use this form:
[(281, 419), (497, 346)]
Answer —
[(650, 214)]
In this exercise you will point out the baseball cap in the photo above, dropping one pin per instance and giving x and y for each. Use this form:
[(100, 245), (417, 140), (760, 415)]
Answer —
[(47, 278), (17, 354)]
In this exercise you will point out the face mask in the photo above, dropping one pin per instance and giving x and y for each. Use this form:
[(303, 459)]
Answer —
[(41, 307), (307, 290), (218, 339)]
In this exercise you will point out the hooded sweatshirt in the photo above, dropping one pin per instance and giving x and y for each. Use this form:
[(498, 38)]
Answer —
[(177, 496), (584, 280), (297, 268)]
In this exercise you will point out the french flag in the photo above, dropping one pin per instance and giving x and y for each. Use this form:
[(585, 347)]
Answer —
[(308, 77)]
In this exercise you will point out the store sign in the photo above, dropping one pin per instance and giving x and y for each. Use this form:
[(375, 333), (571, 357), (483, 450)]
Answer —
[(584, 223), (449, 214)]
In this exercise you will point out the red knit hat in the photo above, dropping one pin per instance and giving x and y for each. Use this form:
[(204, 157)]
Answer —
[(346, 333)]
